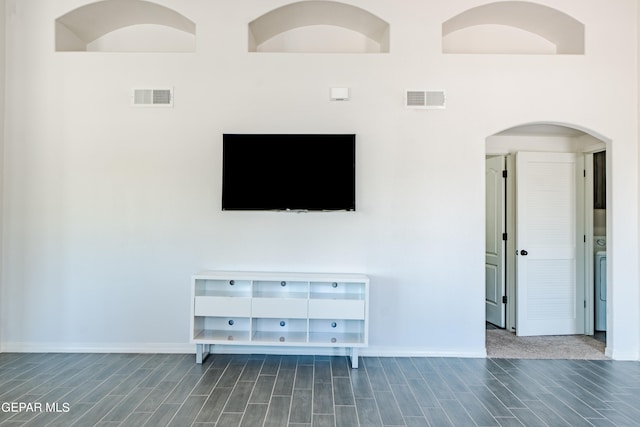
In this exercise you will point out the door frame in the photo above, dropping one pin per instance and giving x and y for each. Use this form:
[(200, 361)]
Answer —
[(578, 241), (589, 266), (510, 258), (510, 252)]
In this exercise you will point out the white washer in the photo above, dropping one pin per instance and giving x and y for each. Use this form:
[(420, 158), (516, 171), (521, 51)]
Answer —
[(601, 291)]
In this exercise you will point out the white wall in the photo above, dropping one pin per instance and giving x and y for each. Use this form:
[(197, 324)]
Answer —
[(2, 102), (109, 208), (638, 100)]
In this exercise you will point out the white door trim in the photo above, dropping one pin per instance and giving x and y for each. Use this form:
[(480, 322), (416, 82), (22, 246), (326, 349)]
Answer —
[(589, 265)]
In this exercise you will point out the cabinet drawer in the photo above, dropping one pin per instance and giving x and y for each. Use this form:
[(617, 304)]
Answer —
[(279, 307), (336, 309), (222, 306)]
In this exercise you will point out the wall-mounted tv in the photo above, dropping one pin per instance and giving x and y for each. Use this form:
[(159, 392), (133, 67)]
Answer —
[(289, 172)]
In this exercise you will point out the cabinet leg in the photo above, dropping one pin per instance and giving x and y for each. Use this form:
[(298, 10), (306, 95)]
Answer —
[(202, 351), (354, 357)]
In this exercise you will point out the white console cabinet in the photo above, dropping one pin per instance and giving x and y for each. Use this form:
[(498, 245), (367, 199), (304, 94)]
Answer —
[(279, 309)]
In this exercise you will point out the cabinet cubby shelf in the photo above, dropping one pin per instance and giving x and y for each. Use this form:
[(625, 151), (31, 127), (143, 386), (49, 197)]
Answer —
[(279, 309)]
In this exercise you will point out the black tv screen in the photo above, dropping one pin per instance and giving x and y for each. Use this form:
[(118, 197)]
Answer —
[(297, 172)]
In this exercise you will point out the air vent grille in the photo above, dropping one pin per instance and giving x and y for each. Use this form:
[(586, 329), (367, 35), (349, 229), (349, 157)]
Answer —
[(153, 97), (425, 99), (416, 98)]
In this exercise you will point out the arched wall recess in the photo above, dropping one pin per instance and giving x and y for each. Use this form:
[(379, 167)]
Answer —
[(485, 24), (79, 29), (306, 18)]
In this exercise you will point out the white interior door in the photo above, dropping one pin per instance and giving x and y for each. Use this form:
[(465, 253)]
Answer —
[(549, 239), (494, 244)]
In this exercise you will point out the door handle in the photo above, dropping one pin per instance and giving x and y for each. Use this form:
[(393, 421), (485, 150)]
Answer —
[(524, 253)]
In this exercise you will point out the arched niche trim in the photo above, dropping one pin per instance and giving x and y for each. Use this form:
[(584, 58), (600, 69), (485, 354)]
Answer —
[(320, 15), (551, 128), (82, 27), (485, 27)]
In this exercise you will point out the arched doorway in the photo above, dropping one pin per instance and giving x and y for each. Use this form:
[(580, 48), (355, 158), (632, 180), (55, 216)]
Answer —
[(505, 288)]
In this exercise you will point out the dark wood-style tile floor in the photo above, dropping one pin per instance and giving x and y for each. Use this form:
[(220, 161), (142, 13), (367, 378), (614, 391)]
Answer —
[(267, 390)]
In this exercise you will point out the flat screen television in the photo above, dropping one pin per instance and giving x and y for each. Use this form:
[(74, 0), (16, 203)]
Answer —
[(289, 172)]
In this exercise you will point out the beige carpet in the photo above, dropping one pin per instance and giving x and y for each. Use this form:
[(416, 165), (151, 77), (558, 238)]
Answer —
[(504, 344)]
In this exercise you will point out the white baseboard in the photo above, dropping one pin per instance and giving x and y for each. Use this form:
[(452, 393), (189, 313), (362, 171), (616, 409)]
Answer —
[(421, 352), (186, 348), (622, 355), (165, 348)]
